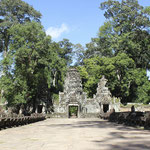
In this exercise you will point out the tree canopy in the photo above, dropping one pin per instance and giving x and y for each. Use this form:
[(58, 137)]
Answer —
[(121, 52), (33, 66)]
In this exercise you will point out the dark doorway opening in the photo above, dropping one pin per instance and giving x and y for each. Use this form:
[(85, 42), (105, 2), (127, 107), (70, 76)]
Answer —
[(73, 111), (40, 107), (105, 107)]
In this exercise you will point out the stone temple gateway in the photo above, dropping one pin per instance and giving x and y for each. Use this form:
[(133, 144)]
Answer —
[(74, 97)]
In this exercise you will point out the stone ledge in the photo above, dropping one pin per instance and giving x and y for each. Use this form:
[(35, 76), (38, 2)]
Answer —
[(8, 122)]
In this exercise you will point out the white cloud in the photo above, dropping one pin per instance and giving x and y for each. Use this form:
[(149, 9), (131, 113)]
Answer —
[(56, 32)]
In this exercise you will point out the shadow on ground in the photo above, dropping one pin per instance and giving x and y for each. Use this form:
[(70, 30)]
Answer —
[(123, 137), (94, 124), (83, 124)]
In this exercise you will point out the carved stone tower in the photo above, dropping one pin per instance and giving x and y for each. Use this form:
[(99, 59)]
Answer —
[(73, 97), (73, 94)]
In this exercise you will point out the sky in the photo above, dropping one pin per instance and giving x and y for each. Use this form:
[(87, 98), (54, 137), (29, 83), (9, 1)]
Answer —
[(76, 20)]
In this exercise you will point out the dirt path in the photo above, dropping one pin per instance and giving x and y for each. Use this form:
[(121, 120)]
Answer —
[(74, 134)]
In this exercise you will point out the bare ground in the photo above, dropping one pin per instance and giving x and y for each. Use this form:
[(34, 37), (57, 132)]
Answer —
[(74, 134)]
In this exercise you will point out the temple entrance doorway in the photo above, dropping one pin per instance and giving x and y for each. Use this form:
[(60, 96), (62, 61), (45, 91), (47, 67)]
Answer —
[(105, 107), (39, 108), (73, 111)]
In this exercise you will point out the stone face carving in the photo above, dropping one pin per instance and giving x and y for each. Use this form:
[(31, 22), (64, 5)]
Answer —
[(73, 95)]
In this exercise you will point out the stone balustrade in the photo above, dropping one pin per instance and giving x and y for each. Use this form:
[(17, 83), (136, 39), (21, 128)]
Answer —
[(141, 119), (19, 120)]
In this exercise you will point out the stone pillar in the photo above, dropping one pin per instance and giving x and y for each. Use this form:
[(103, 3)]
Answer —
[(43, 110)]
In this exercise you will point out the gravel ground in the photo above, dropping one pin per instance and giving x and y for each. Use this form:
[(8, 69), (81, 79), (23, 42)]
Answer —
[(74, 134)]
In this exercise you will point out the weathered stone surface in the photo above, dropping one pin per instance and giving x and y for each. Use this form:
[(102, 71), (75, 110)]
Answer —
[(18, 120), (74, 134), (138, 107), (103, 95), (73, 95)]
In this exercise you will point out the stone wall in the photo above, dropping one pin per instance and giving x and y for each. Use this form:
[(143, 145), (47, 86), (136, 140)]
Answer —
[(8, 121), (101, 103), (138, 107), (92, 106), (136, 119), (73, 95)]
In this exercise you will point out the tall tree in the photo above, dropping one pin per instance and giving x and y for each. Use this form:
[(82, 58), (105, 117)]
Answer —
[(65, 51), (78, 54), (124, 79), (129, 30), (13, 12), (37, 66), (102, 45), (31, 57)]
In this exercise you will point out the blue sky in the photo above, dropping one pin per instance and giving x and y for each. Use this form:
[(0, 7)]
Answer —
[(76, 20)]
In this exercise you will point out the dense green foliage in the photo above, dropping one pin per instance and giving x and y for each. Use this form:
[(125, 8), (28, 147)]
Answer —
[(33, 66), (125, 81), (121, 52), (73, 111), (13, 12)]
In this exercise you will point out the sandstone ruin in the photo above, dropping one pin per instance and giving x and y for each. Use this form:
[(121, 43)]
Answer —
[(73, 96)]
